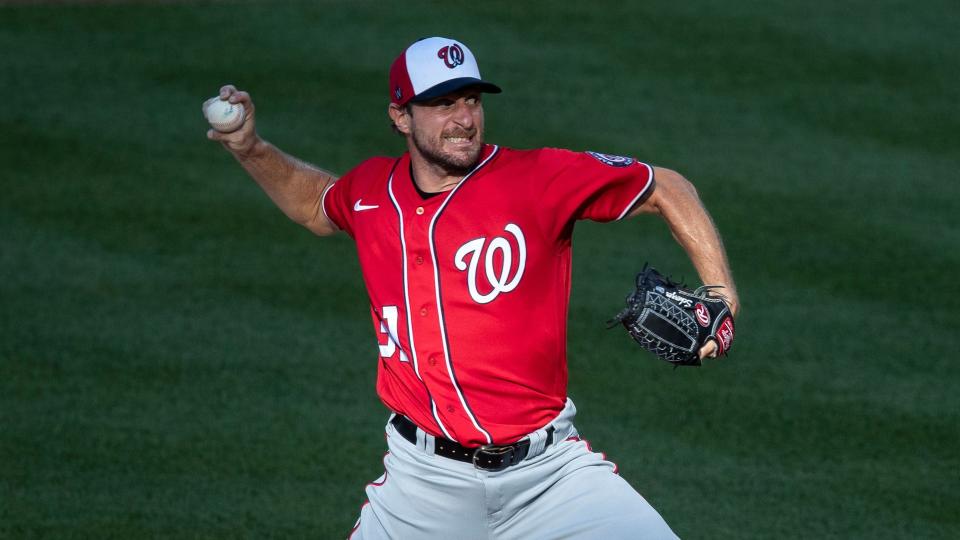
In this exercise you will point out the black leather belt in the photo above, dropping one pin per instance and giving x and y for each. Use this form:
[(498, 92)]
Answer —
[(489, 457)]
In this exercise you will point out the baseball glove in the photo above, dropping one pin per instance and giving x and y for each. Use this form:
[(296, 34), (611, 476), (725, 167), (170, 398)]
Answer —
[(673, 322)]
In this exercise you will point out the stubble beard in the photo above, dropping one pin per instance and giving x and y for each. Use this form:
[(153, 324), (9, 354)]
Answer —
[(452, 164)]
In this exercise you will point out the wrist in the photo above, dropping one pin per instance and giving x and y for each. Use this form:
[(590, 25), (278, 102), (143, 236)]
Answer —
[(252, 151), (734, 305)]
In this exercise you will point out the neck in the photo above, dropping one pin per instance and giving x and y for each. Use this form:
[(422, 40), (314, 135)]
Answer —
[(431, 177)]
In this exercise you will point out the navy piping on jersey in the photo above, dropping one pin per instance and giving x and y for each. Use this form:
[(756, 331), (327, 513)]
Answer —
[(406, 304), (436, 273)]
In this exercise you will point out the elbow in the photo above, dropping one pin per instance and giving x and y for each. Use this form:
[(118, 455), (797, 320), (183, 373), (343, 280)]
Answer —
[(672, 190), (674, 181)]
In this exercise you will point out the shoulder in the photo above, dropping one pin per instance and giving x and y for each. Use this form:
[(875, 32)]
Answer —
[(372, 167), (368, 172), (544, 159), (549, 161), (535, 154)]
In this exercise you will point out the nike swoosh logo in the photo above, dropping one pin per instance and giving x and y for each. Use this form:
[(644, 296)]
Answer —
[(357, 207)]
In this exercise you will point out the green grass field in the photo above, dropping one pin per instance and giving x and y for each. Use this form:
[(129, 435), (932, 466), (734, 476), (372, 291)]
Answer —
[(178, 360)]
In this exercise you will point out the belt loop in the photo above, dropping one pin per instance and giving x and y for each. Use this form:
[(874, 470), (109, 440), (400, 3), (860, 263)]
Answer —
[(538, 442), (421, 439), (428, 441)]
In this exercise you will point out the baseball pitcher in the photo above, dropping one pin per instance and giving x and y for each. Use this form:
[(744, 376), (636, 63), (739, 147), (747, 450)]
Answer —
[(461, 244)]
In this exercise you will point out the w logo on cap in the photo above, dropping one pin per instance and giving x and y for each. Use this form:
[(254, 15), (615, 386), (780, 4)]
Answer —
[(452, 55), (432, 67)]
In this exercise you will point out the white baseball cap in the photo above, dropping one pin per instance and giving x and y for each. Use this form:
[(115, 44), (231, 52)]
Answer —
[(433, 67)]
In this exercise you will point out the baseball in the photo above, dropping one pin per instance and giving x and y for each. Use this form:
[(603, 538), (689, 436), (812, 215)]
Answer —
[(224, 116)]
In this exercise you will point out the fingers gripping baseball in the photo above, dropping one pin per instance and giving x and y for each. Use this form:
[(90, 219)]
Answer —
[(241, 139)]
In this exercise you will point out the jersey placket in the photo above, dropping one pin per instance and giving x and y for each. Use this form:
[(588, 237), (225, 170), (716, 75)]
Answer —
[(421, 288), (423, 316), (427, 321)]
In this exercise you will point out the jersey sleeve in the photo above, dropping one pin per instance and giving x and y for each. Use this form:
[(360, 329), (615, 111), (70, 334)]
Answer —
[(336, 203), (339, 198), (594, 186)]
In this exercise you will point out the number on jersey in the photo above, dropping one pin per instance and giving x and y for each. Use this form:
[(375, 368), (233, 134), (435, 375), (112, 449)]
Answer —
[(389, 319)]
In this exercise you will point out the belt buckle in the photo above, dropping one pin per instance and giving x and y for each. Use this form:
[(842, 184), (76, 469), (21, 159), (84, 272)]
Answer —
[(493, 450)]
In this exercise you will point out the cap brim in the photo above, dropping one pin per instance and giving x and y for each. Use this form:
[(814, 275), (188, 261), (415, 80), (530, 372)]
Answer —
[(448, 87)]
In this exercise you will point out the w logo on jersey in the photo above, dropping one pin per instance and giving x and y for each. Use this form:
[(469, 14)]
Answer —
[(498, 276), (452, 55)]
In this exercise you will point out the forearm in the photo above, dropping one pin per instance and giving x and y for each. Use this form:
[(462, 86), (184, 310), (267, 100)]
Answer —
[(294, 186), (696, 233), (680, 207)]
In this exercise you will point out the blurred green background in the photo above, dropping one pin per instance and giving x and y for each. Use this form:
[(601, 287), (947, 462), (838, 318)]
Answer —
[(179, 360)]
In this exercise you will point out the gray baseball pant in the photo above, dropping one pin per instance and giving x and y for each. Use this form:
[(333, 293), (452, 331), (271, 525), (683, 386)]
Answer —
[(564, 491)]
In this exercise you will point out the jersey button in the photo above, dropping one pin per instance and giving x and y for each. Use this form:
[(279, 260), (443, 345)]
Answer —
[(423, 312), (451, 408), (419, 260), (433, 360), (419, 210)]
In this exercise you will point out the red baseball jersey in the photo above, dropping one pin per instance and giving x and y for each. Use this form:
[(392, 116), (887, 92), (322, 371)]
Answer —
[(469, 288)]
